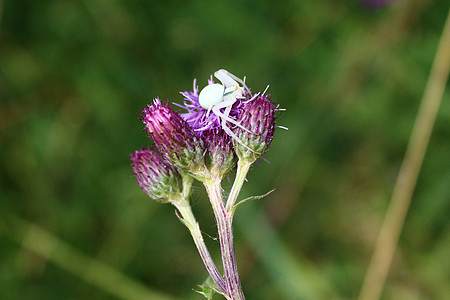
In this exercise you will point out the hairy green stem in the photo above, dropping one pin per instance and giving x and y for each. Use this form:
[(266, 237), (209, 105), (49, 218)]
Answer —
[(224, 219), (242, 170), (189, 220)]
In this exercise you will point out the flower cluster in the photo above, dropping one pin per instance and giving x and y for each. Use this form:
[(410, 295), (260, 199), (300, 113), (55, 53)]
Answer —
[(204, 142)]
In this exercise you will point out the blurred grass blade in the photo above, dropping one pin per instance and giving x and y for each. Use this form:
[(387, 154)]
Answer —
[(93, 271), (409, 171)]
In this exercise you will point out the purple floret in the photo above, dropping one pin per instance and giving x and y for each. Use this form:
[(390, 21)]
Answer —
[(196, 115)]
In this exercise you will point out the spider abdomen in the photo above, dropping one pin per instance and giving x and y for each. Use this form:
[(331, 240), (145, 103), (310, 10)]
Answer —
[(211, 95)]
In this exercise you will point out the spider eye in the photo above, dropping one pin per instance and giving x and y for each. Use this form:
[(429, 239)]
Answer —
[(210, 95)]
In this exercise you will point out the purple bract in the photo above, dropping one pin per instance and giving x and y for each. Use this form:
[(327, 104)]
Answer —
[(173, 137), (220, 156), (258, 116), (155, 176)]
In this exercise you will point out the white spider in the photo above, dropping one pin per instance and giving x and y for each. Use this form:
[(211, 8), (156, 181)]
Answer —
[(216, 96)]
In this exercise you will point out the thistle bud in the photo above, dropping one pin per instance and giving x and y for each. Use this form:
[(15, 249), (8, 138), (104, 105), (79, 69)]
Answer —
[(174, 138), (155, 176), (258, 117), (220, 158)]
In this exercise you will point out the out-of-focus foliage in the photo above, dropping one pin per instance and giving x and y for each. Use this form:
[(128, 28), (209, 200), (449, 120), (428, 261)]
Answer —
[(75, 73)]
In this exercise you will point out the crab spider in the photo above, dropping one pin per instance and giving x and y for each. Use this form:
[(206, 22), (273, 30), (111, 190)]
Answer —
[(216, 96)]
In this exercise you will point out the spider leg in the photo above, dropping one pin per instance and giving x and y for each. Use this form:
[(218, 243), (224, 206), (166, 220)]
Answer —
[(207, 113), (223, 74), (229, 131), (225, 103), (225, 117), (227, 78), (226, 114)]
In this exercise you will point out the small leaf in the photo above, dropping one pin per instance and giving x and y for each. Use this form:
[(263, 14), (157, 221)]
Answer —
[(187, 224), (208, 289), (252, 198)]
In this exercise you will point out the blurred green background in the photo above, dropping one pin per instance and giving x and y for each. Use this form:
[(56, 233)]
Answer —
[(75, 74)]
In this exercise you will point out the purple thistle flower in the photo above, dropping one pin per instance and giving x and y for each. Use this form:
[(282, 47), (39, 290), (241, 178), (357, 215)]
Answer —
[(258, 116), (174, 138), (220, 158), (155, 176), (198, 117)]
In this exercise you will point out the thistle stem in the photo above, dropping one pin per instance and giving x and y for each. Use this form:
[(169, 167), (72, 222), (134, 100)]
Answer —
[(188, 218), (242, 170), (224, 219)]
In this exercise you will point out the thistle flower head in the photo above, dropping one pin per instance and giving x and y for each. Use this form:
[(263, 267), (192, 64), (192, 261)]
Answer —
[(155, 176), (258, 117), (173, 137), (220, 156)]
